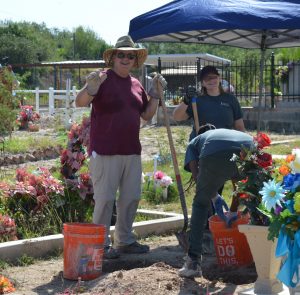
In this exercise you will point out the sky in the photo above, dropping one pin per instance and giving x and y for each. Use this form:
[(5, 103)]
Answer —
[(109, 19)]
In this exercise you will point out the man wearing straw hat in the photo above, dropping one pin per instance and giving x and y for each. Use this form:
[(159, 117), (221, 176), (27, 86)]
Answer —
[(118, 102)]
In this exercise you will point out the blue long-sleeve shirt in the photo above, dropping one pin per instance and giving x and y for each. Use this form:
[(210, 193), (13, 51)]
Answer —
[(214, 141)]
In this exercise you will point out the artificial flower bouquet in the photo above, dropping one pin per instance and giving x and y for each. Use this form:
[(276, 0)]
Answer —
[(281, 204), (270, 194), (281, 197), (159, 187), (6, 285), (7, 229), (73, 157), (161, 179), (27, 116), (255, 166)]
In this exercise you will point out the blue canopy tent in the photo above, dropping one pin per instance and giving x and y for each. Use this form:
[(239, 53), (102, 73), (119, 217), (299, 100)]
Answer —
[(253, 24)]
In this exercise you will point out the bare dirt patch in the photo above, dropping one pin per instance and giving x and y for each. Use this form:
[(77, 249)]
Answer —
[(146, 274)]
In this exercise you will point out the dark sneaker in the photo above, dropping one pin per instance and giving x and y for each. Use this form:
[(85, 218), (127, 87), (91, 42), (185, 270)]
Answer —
[(134, 248), (191, 268), (110, 253)]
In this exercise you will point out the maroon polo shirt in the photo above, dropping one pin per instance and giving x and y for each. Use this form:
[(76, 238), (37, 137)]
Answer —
[(115, 116)]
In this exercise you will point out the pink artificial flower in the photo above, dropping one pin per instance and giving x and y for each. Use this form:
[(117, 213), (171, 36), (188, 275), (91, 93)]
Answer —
[(166, 181), (158, 175)]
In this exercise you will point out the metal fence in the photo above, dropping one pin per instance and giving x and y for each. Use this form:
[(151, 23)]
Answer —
[(281, 82)]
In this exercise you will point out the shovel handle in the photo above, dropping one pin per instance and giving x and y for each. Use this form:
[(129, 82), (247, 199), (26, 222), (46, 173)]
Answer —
[(195, 114), (174, 159)]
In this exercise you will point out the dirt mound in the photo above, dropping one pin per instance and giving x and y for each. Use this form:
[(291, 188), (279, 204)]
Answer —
[(154, 273)]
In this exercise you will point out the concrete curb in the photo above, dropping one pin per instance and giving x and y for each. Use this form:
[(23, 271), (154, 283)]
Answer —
[(42, 246)]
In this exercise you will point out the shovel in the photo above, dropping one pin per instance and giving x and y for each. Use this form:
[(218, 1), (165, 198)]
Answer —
[(182, 236)]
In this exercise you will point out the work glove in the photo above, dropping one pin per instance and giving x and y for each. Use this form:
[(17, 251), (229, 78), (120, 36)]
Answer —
[(190, 93), (93, 82), (158, 84), (231, 219), (219, 204)]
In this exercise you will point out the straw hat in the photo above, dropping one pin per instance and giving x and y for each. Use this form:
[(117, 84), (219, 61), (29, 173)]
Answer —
[(125, 43)]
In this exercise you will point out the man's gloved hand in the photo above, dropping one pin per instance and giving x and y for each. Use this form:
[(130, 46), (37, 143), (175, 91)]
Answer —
[(93, 82), (158, 84), (231, 217), (219, 204), (190, 93)]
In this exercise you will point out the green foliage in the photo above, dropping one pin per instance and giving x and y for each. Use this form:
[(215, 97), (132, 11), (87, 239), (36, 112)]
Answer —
[(37, 224), (142, 217), (8, 117), (24, 42), (16, 145), (286, 54), (283, 148), (155, 195), (7, 102), (74, 208), (228, 52), (29, 43), (4, 264), (25, 260)]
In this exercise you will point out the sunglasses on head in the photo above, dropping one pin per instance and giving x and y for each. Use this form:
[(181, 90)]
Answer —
[(130, 56)]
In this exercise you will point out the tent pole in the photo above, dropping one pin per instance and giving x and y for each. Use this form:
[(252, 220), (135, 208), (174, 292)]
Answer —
[(261, 79)]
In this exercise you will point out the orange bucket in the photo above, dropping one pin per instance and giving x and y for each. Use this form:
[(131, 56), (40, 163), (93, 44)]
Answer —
[(231, 246), (83, 250)]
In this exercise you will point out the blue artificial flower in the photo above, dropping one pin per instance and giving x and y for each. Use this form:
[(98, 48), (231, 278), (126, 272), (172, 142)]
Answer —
[(272, 193), (291, 181), (290, 206)]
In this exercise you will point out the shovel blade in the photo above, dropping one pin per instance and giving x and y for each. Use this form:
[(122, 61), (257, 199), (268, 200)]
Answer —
[(183, 239)]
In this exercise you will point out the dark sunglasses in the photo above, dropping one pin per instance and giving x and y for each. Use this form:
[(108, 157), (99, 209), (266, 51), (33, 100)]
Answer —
[(121, 55)]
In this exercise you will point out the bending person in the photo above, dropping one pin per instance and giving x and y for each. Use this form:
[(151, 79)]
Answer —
[(208, 158)]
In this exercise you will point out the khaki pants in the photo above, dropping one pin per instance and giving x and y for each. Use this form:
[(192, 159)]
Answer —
[(109, 175)]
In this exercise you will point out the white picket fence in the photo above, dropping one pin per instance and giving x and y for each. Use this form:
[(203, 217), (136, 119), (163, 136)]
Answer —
[(67, 95)]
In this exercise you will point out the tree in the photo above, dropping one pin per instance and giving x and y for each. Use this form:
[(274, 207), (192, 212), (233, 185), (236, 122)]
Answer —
[(7, 101)]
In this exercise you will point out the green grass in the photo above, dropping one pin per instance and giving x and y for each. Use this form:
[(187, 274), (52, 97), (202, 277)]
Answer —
[(158, 138), (25, 260), (283, 148), (16, 145)]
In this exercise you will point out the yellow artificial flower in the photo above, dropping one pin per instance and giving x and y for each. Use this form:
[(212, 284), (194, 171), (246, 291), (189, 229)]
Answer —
[(297, 202)]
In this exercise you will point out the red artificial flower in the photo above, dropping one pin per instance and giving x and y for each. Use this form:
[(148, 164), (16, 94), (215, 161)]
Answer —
[(244, 180), (263, 140), (264, 160), (243, 195)]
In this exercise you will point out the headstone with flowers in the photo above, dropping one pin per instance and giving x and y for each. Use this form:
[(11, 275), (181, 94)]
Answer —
[(27, 118), (164, 181), (158, 187)]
